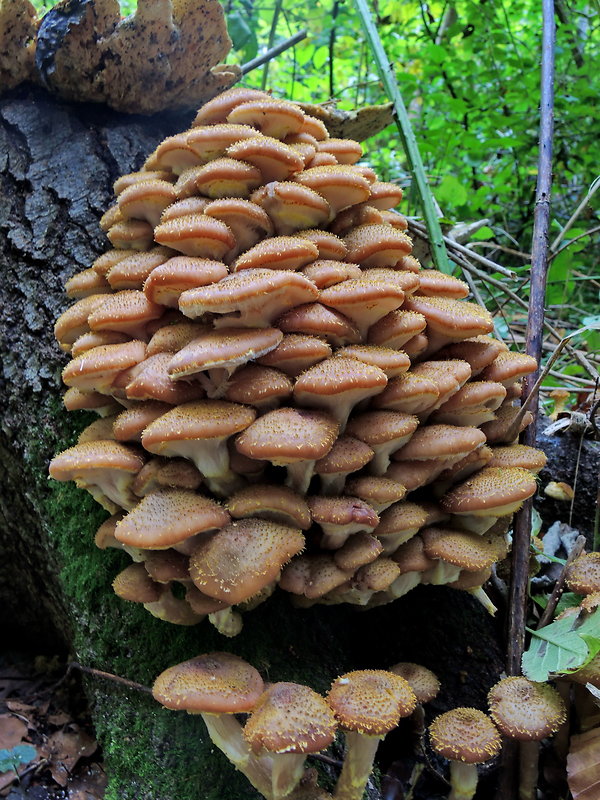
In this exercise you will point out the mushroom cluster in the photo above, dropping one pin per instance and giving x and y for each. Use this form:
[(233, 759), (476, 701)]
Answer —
[(286, 397), (289, 721)]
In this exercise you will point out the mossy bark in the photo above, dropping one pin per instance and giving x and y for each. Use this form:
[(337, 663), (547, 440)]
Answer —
[(58, 165)]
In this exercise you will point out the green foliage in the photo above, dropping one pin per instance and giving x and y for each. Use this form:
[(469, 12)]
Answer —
[(563, 646), (15, 756)]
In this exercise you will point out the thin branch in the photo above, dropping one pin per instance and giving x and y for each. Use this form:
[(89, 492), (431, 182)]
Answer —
[(574, 239), (438, 249), (590, 193), (269, 55), (558, 586), (539, 266), (108, 676)]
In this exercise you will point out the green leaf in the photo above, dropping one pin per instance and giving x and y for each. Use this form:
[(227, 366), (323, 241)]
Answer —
[(483, 234), (20, 754), (562, 647), (451, 191)]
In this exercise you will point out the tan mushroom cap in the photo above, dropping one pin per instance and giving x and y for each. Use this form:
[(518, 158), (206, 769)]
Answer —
[(225, 347), (371, 702), (73, 322), (169, 516), (328, 244), (248, 222), (583, 574), (285, 435), (208, 142), (362, 300), (135, 585), (470, 551), (131, 234), (518, 455), (131, 272), (295, 353), (421, 680), (413, 474), (508, 367), (215, 111), (107, 260), (110, 217), (275, 503), (78, 400), (378, 245), (146, 200), (375, 577), (196, 235), (502, 430), (166, 473), (392, 362), (101, 428), (277, 118), (341, 185), (205, 419), (292, 206), (478, 351), (151, 381), (278, 252), (222, 177), (165, 566), (290, 718), (327, 272), (347, 455), (167, 281), (396, 328), (433, 283), (441, 442), (384, 195), (408, 393), (411, 556), (526, 710), (130, 423), (473, 404), (355, 216), (384, 431), (339, 517), (315, 319), (174, 337), (275, 160), (174, 154), (242, 558), (127, 311), (346, 151), (213, 683), (465, 734), (492, 491), (460, 470), (359, 549), (254, 297), (337, 384), (85, 283), (450, 320), (185, 207), (377, 491), (262, 387)]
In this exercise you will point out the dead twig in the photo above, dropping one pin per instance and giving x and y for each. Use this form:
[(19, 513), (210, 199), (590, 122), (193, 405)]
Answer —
[(272, 52), (98, 673), (558, 586)]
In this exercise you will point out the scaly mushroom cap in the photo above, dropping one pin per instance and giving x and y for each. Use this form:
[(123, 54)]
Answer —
[(377, 491), (146, 200), (583, 574), (470, 551), (295, 353), (73, 322), (222, 177), (242, 558), (277, 118), (213, 683), (384, 195), (130, 423), (151, 381), (329, 245), (169, 516), (275, 503), (196, 235), (492, 491), (413, 474), (454, 319), (254, 297), (278, 252), (327, 272), (166, 282), (275, 160), (185, 208), (396, 329), (259, 386), (440, 442), (404, 518), (291, 206), (174, 337), (509, 367), (226, 347), (168, 565), (166, 473), (315, 319), (377, 245), (437, 284), (408, 393), (131, 234), (358, 550), (101, 428), (518, 455), (174, 154), (85, 283), (135, 585), (208, 142), (502, 430), (479, 351), (465, 734), (421, 680), (526, 710), (411, 557), (290, 718), (285, 435), (127, 311), (131, 272), (363, 301), (346, 151), (248, 221), (392, 362), (342, 186), (342, 515), (347, 455), (215, 111), (371, 702), (472, 405)]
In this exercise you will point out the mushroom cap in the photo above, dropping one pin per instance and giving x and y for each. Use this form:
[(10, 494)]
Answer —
[(168, 516), (166, 282), (242, 558), (328, 244), (376, 490), (316, 319), (275, 503), (379, 427), (196, 235), (421, 680), (392, 362), (211, 141), (583, 574), (205, 419), (259, 386), (508, 367), (290, 718), (371, 702), (465, 734), (341, 185), (213, 683), (221, 177), (135, 585), (285, 435), (377, 245), (433, 283), (518, 455), (278, 252), (455, 319), (464, 549), (87, 457), (292, 206), (359, 549), (326, 272), (348, 454), (490, 491), (272, 117), (215, 111), (526, 710), (396, 328), (296, 352), (404, 516), (440, 442), (409, 393)]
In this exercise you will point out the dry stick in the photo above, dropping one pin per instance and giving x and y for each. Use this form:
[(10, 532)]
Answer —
[(270, 54), (108, 676), (539, 264), (576, 551)]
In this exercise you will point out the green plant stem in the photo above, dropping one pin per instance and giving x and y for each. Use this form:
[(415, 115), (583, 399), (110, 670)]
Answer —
[(415, 163), (272, 34)]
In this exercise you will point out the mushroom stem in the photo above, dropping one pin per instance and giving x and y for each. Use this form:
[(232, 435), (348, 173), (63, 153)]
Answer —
[(481, 595), (360, 754), (463, 779), (288, 769), (226, 733), (227, 621), (528, 769)]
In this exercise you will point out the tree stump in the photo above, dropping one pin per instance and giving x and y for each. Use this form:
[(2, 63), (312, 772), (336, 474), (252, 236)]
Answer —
[(59, 162)]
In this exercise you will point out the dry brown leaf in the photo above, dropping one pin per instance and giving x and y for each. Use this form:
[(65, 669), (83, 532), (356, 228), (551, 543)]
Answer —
[(12, 731), (583, 765), (63, 750)]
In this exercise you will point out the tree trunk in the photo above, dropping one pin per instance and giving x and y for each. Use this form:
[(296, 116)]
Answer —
[(59, 162)]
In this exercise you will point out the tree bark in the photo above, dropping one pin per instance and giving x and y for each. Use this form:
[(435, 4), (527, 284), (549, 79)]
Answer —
[(59, 162)]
